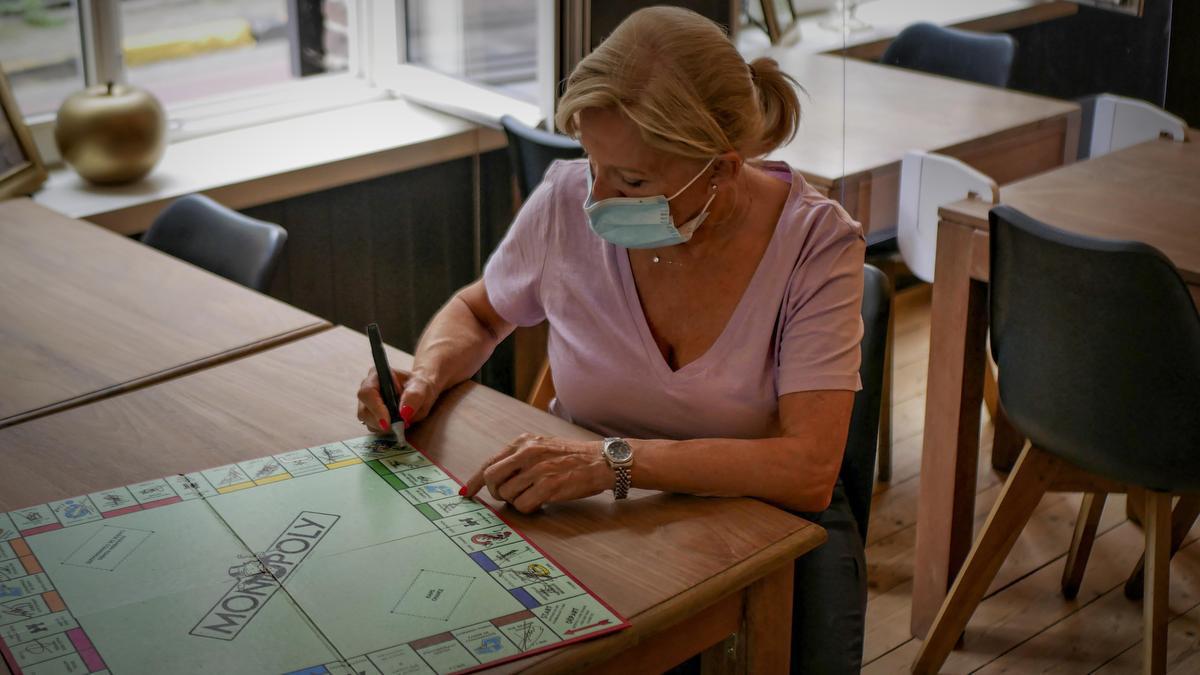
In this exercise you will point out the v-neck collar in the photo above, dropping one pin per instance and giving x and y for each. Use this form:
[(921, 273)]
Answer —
[(716, 350)]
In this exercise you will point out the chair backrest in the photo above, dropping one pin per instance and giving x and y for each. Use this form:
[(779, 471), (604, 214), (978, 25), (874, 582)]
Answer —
[(985, 58), (1098, 348), (530, 152), (208, 235), (858, 463), (1110, 122), (929, 181)]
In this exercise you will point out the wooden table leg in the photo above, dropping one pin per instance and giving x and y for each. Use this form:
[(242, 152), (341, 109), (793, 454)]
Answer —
[(768, 622), (950, 456), (723, 658)]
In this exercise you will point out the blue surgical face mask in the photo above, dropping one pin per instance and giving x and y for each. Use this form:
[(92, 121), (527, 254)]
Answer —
[(641, 222)]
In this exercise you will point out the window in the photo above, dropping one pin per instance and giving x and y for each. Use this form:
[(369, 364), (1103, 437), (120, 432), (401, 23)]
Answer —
[(478, 59), (183, 51), (180, 50), (489, 42), (40, 52), (222, 64)]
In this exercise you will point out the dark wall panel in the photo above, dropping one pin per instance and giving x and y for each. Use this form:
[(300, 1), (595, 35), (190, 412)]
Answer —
[(1096, 51), (1183, 87), (607, 14), (394, 249), (496, 213)]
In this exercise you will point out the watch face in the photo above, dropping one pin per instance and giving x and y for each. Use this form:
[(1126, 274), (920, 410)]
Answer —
[(619, 451)]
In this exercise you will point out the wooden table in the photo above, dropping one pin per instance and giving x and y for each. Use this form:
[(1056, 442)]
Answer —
[(702, 568), (85, 313), (1147, 193), (860, 118), (886, 18)]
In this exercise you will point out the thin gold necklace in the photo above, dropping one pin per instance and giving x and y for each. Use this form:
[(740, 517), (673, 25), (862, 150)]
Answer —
[(656, 258)]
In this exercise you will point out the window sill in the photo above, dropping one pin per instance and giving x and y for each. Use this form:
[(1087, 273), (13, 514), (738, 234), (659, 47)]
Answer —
[(884, 19), (267, 162)]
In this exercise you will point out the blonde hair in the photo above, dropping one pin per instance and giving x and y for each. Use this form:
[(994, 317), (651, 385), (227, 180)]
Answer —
[(678, 77)]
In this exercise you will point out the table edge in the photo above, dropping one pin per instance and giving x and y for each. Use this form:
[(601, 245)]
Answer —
[(684, 604), (219, 358)]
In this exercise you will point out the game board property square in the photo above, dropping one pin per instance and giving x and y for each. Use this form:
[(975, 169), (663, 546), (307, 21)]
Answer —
[(433, 595), (529, 634), (227, 477), (23, 608), (113, 500), (332, 454), (33, 517), (300, 463), (398, 659), (446, 656), (486, 642), (468, 522), (7, 529), (11, 569), (263, 470), (521, 575), (376, 447), (406, 461), (512, 554), (75, 510), (576, 616), (191, 486), (454, 506), (422, 475), (152, 491), (108, 548)]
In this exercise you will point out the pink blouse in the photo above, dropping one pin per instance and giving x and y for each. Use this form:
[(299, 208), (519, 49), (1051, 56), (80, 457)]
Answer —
[(796, 328)]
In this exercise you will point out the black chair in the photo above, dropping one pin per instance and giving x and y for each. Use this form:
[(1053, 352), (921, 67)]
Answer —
[(530, 152), (830, 583), (984, 58), (858, 464), (202, 232), (1098, 346)]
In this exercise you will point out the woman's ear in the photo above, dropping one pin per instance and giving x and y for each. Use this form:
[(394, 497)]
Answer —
[(726, 169)]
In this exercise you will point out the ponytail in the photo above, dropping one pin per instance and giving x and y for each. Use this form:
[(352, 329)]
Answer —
[(778, 101)]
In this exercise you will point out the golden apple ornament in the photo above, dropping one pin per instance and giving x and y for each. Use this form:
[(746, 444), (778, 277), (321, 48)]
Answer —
[(111, 133)]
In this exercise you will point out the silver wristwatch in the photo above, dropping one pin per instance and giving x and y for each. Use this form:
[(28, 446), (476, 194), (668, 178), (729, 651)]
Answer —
[(619, 456)]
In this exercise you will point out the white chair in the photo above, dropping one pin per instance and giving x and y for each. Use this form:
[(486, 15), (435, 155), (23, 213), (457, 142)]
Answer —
[(1119, 122), (929, 181)]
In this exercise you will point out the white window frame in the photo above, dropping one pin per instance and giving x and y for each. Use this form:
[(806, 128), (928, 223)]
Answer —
[(100, 52), (377, 70), (386, 54)]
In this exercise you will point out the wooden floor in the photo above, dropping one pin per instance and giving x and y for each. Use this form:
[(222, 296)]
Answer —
[(1024, 624)]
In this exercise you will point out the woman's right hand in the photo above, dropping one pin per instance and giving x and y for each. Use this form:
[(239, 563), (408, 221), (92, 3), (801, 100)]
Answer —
[(417, 396)]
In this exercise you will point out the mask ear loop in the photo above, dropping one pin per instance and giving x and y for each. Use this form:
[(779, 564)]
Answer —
[(693, 180), (695, 223)]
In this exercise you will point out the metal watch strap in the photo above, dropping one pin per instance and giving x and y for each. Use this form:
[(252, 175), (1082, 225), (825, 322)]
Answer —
[(623, 478), (621, 487)]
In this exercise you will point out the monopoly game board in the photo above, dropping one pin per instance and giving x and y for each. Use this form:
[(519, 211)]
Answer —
[(351, 557)]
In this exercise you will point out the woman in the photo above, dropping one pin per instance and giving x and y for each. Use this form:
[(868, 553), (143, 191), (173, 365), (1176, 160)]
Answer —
[(703, 307)]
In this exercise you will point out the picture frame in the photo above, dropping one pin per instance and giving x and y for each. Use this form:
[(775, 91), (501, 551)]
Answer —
[(21, 168), (1131, 7), (779, 17)]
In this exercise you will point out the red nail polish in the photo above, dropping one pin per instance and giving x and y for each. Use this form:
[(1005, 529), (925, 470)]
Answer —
[(462, 491), (383, 424), (406, 414)]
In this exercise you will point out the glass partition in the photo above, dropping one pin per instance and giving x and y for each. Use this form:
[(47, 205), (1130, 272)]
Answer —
[(40, 53)]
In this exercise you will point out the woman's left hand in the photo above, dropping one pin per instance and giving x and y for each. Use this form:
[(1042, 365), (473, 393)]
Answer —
[(536, 470)]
